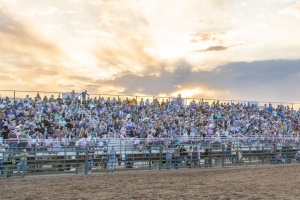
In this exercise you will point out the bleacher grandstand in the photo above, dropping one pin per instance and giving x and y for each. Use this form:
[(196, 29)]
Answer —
[(70, 125)]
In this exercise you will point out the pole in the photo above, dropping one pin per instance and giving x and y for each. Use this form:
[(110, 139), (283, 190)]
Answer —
[(223, 155), (14, 95), (86, 159)]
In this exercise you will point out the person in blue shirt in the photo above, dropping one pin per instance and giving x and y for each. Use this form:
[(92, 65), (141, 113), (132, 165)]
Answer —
[(91, 156), (83, 95), (111, 160), (169, 155)]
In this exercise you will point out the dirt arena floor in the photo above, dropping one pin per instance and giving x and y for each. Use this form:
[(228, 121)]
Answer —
[(252, 182)]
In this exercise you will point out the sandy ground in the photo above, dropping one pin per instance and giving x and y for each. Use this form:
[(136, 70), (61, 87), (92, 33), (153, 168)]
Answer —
[(252, 182)]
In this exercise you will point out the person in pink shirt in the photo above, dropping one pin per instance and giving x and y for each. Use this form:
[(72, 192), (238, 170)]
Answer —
[(123, 132)]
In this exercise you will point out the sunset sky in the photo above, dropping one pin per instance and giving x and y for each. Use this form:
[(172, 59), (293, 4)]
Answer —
[(228, 49)]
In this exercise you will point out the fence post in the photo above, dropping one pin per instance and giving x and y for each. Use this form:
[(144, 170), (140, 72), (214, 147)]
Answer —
[(263, 155), (125, 163), (150, 159), (250, 153), (223, 155), (77, 163), (160, 157), (275, 154), (86, 160)]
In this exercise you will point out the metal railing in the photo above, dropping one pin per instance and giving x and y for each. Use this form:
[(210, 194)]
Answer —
[(84, 160), (166, 140), (19, 94)]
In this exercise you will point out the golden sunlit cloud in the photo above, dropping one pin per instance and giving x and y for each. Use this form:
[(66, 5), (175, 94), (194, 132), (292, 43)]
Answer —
[(201, 68), (185, 93), (82, 44)]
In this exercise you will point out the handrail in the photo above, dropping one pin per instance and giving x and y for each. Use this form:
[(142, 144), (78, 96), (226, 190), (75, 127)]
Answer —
[(112, 131), (88, 113), (160, 97), (189, 138)]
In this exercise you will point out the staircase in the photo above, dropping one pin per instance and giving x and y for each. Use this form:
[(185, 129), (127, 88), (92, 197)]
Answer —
[(113, 138)]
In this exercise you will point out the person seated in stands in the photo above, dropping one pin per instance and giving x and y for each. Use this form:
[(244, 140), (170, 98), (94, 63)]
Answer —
[(51, 99), (147, 103), (23, 139), (123, 132)]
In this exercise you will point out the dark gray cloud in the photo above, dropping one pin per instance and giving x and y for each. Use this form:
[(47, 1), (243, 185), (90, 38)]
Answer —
[(269, 80), (213, 48)]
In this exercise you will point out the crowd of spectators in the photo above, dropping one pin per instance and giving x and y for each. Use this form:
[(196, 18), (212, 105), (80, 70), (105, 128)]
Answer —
[(161, 119), (59, 121), (85, 117)]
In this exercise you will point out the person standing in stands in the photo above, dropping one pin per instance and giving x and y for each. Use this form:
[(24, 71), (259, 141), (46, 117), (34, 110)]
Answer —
[(179, 100), (196, 156), (2, 152), (234, 155), (208, 156), (190, 156), (90, 160), (23, 162), (10, 163), (176, 156), (84, 95), (297, 157), (73, 94), (169, 154), (273, 153), (183, 157), (104, 159), (111, 160)]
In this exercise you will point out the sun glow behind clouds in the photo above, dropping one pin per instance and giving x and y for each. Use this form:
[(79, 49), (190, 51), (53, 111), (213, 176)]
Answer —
[(186, 93), (90, 41)]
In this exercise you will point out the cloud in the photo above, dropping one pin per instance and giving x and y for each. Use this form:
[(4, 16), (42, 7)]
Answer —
[(18, 39), (293, 10), (296, 7), (203, 37), (6, 78), (259, 80), (27, 56), (146, 46), (218, 48), (212, 48)]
